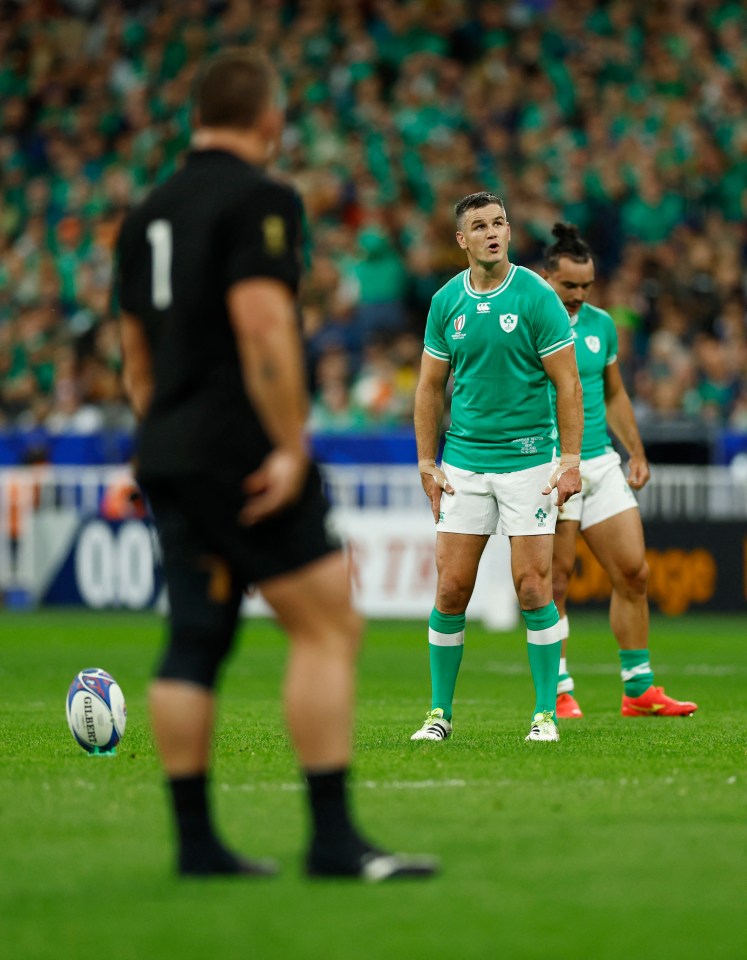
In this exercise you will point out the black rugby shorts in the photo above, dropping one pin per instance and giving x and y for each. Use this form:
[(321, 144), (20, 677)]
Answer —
[(198, 515)]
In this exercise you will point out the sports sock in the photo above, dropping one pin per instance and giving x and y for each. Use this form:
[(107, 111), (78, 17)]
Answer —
[(446, 646), (336, 846), (190, 800), (565, 680), (200, 851), (636, 672), (543, 646)]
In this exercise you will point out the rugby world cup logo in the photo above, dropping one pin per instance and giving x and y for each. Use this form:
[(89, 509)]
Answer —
[(459, 322)]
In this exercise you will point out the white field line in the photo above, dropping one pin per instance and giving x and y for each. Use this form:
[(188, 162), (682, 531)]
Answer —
[(369, 785), (502, 784), (691, 670)]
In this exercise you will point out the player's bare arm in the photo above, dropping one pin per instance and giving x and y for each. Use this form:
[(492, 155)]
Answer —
[(137, 374), (264, 322), (561, 368), (429, 414), (621, 419)]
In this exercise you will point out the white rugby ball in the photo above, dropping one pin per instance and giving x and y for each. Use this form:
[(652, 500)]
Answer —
[(96, 711)]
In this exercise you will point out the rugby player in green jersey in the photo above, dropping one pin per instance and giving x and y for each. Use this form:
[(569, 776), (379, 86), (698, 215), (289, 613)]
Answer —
[(503, 333), (606, 511)]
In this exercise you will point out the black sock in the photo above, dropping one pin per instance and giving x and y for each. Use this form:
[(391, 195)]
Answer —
[(335, 841), (190, 801), (200, 851)]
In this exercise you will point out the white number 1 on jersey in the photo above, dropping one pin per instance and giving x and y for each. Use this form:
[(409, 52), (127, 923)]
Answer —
[(159, 238)]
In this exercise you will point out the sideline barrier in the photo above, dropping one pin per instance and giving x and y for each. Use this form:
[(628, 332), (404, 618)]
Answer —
[(73, 535)]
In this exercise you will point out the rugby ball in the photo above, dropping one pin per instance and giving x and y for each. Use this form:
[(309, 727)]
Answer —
[(96, 711)]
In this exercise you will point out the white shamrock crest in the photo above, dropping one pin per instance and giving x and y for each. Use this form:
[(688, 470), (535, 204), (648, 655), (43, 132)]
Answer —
[(508, 321), (593, 343)]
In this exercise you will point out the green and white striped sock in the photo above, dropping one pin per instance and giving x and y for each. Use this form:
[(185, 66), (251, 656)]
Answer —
[(446, 646), (543, 646), (636, 672)]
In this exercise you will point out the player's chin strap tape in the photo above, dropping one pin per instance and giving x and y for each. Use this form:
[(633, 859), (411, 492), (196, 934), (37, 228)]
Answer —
[(568, 461), (429, 467)]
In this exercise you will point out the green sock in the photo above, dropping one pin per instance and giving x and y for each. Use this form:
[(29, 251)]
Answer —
[(543, 646), (446, 646), (636, 672)]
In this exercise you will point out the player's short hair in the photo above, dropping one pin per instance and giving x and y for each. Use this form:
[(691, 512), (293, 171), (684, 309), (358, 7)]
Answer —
[(234, 87), (569, 244), (473, 202)]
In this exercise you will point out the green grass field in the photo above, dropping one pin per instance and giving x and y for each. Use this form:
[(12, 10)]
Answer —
[(626, 839)]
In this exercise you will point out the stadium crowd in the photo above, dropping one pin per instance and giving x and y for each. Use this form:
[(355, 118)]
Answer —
[(627, 119)]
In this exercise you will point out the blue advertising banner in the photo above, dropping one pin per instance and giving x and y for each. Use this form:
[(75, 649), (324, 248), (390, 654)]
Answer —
[(108, 564)]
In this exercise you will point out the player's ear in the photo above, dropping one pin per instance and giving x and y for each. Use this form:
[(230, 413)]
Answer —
[(460, 239), (270, 124)]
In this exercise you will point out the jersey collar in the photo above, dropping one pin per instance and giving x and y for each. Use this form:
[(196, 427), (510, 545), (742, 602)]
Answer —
[(490, 293)]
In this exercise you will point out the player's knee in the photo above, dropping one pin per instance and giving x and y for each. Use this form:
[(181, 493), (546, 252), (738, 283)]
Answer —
[(452, 595), (339, 632), (633, 581), (638, 580), (342, 624), (532, 590), (195, 655)]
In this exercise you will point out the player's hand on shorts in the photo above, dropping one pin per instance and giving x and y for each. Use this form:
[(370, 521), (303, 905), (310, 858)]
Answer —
[(435, 484), (564, 481), (568, 483), (639, 472), (275, 485)]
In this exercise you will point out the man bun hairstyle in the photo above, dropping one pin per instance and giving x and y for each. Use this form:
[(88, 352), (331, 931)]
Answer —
[(473, 202), (569, 244), (234, 88)]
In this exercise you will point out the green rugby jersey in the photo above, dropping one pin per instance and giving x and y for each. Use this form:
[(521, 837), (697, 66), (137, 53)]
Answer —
[(595, 337), (501, 417)]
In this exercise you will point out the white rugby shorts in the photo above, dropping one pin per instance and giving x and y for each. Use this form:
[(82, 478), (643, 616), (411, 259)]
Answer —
[(604, 492), (481, 500)]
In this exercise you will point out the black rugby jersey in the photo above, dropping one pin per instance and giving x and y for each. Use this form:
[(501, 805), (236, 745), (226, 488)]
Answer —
[(217, 221)]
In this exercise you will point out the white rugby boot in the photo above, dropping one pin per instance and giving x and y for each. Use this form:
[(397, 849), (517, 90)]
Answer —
[(434, 728)]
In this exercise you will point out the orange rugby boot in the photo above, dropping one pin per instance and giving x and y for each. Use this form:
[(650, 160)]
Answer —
[(566, 707), (655, 703)]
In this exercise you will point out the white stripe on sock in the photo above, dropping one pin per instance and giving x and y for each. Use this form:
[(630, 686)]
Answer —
[(543, 638), (445, 639), (565, 628), (636, 671)]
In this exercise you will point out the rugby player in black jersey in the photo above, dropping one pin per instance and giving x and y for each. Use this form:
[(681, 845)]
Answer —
[(208, 271)]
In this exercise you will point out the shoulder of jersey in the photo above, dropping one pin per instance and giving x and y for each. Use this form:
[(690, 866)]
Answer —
[(530, 280), (267, 182), (597, 314)]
